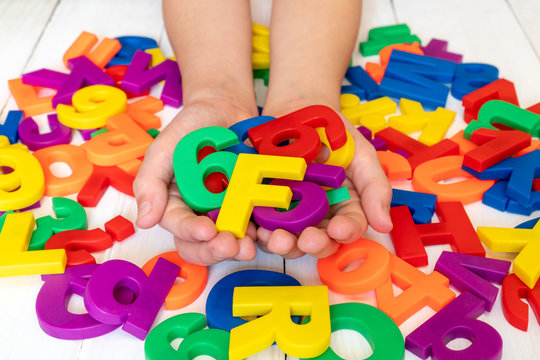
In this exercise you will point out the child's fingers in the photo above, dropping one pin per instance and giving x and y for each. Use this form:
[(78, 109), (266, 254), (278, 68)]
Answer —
[(347, 219), (263, 235), (246, 249), (316, 242), (152, 181), (281, 242), (224, 246), (371, 184), (377, 211), (180, 220)]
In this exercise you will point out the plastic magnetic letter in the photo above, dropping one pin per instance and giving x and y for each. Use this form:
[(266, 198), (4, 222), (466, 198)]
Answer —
[(438, 48), (190, 174), (83, 73), (3, 218), (395, 166), (25, 185), (196, 340), (72, 155), (310, 211), (157, 56), (433, 125), (418, 77), (510, 115), (500, 89), (454, 228), (376, 71), (418, 153), (428, 176), (525, 169), (138, 78), (117, 72), (300, 126), (378, 144), (119, 228), (143, 112), (342, 156), (363, 82), (421, 205), (246, 190), (465, 145), (276, 304), (262, 74), (472, 76), (100, 55), (495, 196), (150, 292), (325, 175), (515, 310), (335, 196), (92, 106), (419, 290), (31, 137), (15, 260), (79, 244), (473, 274), (380, 331), (11, 124), (313, 203), (45, 78), (215, 182), (195, 279), (366, 113), (497, 145), (382, 36), (130, 44), (219, 303), (261, 44), (70, 216), (526, 242), (456, 320), (241, 130), (124, 141), (373, 272), (99, 181), (27, 98), (53, 317)]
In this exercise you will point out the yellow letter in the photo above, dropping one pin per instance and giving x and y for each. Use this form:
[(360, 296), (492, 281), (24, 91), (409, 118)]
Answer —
[(433, 124), (16, 260), (524, 241), (25, 185), (92, 106), (277, 304), (246, 191)]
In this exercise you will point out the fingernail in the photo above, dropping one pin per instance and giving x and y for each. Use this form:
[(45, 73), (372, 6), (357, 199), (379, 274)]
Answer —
[(144, 209)]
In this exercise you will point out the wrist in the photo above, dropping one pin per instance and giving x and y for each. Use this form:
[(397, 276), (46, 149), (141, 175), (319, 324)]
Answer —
[(234, 104), (293, 99)]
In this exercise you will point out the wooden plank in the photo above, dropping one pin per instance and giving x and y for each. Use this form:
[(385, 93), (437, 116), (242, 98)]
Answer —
[(21, 25), (526, 13)]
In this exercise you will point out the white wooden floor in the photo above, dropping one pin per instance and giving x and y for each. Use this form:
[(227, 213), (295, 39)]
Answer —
[(34, 34)]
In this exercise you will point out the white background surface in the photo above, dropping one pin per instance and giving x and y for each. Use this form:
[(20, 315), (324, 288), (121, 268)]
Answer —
[(35, 34)]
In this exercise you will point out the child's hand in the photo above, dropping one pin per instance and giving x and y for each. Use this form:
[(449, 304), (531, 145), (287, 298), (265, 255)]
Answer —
[(369, 205), (159, 200)]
